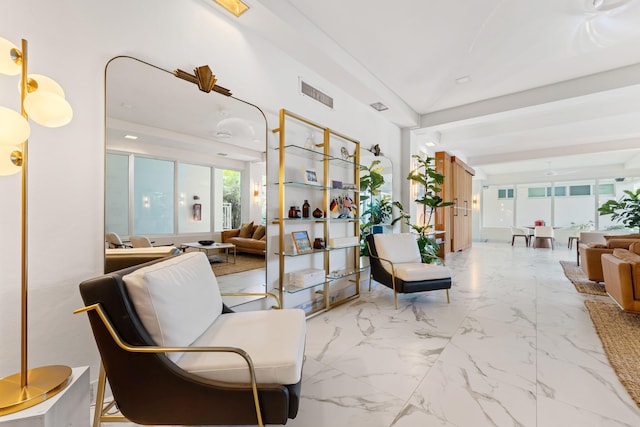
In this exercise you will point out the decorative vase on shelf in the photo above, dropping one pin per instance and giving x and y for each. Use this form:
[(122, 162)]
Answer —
[(317, 213), (305, 209)]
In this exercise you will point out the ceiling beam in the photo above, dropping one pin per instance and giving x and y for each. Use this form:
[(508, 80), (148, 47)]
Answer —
[(561, 151), (599, 82)]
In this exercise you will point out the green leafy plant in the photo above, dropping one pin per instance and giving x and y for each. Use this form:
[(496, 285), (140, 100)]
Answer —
[(376, 210), (429, 179), (626, 210)]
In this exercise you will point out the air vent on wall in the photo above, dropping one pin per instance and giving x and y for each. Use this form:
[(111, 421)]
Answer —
[(316, 94)]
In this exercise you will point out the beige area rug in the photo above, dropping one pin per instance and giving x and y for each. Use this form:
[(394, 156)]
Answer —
[(620, 335), (244, 262), (576, 276)]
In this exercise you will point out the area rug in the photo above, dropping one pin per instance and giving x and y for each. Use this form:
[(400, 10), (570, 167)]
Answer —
[(244, 262), (620, 335), (576, 276)]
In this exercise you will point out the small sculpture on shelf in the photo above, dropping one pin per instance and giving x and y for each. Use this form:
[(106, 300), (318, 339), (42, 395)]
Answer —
[(318, 243), (342, 206), (317, 213)]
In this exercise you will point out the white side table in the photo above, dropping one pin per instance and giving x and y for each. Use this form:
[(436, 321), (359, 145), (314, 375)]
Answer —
[(69, 408)]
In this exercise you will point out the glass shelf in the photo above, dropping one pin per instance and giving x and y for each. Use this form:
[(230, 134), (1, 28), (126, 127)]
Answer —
[(345, 219), (276, 220), (307, 153), (340, 274), (294, 254), (336, 190), (293, 289), (305, 185), (353, 245), (343, 163), (296, 150)]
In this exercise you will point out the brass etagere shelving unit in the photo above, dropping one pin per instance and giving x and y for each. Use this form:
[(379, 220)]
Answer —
[(334, 162)]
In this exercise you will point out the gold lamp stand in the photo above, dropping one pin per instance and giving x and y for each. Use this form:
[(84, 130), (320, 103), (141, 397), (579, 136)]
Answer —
[(30, 386)]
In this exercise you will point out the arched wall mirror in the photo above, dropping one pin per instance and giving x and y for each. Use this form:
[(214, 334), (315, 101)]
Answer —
[(184, 166), (377, 196)]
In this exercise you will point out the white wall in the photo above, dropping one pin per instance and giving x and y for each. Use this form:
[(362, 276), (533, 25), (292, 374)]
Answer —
[(71, 41)]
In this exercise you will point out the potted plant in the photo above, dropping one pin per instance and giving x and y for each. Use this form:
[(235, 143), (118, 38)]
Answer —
[(626, 210), (429, 180), (376, 210)]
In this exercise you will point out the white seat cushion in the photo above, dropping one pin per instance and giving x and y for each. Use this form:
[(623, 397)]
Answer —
[(274, 339), (415, 271), (176, 300), (397, 247)]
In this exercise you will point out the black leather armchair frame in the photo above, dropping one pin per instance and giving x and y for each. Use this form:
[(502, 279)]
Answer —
[(148, 388), (381, 275)]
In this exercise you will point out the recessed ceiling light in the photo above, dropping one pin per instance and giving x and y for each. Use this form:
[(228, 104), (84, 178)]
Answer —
[(222, 154), (379, 106), (430, 144), (236, 7), (462, 80), (130, 137)]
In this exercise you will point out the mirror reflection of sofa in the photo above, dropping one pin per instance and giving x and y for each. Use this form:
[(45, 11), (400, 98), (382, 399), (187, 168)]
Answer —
[(249, 238), (622, 277), (117, 259), (591, 253)]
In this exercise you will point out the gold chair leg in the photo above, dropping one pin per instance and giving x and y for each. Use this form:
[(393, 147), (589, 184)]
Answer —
[(100, 409), (448, 299)]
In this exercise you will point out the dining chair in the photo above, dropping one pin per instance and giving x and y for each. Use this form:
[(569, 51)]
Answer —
[(541, 233), (520, 232)]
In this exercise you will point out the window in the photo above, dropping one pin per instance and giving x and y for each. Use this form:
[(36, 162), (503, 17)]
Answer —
[(580, 190), (117, 194), (606, 189), (153, 196), (505, 193), (536, 191)]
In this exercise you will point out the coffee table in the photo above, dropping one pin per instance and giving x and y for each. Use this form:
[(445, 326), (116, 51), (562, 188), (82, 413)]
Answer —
[(207, 248)]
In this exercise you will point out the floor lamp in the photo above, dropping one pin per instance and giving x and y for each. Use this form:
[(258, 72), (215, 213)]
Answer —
[(42, 100)]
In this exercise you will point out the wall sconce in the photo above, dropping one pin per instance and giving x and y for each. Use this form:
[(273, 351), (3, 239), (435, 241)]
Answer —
[(42, 100), (256, 194)]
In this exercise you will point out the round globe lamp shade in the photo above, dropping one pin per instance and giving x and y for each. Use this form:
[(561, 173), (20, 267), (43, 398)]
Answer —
[(48, 109), (40, 83), (8, 65), (7, 165), (15, 128)]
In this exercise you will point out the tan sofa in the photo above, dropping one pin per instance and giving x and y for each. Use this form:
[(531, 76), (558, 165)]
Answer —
[(591, 253), (252, 240), (117, 259), (622, 277)]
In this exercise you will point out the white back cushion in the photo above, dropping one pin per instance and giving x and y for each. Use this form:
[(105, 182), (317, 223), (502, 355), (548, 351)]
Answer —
[(397, 248), (176, 299)]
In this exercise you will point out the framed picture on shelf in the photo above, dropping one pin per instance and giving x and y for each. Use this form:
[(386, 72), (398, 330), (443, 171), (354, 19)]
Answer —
[(301, 242), (310, 176), (336, 184)]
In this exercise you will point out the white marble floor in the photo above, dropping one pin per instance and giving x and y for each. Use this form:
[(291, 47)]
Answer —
[(515, 347)]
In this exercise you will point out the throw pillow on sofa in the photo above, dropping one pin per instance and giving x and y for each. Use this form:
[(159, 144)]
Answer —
[(258, 233), (246, 230)]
